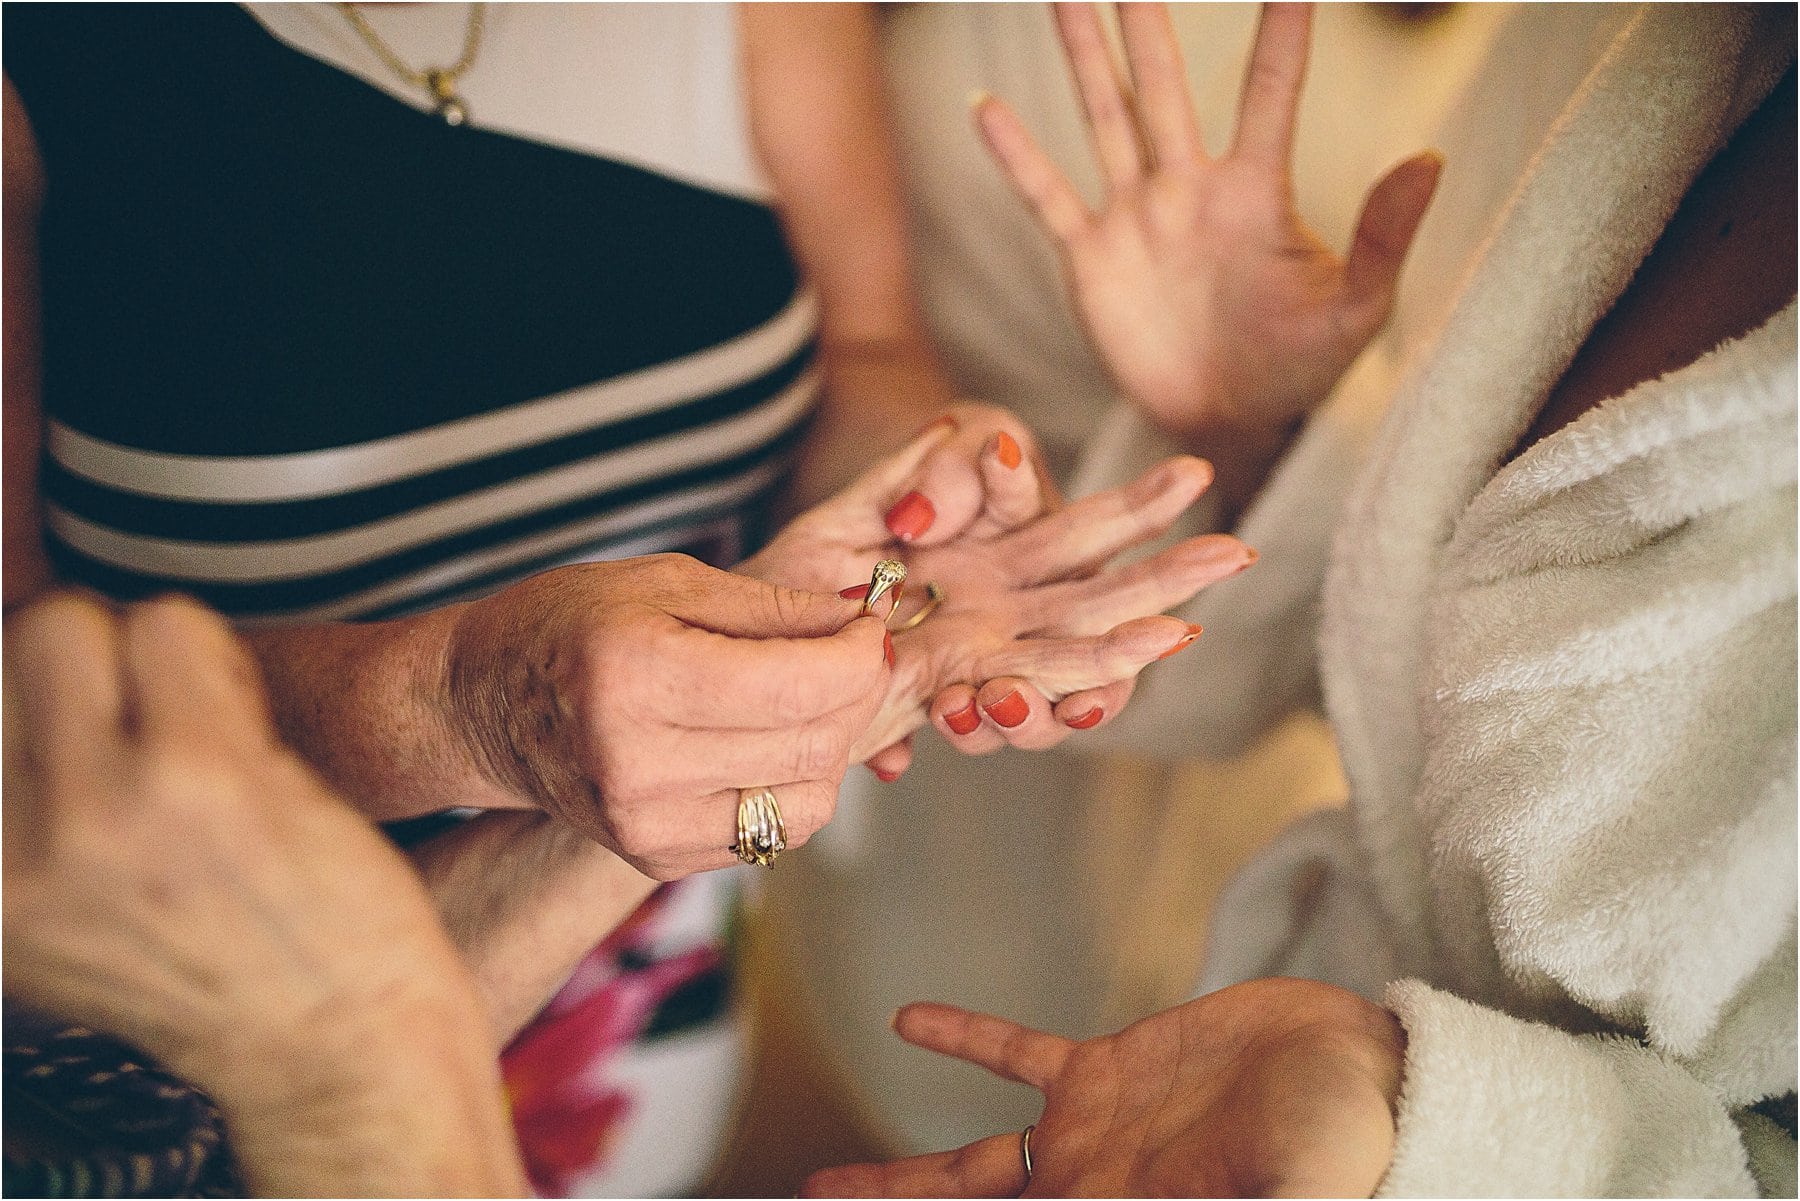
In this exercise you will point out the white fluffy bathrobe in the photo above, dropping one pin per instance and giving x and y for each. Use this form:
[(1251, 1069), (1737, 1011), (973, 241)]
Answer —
[(1563, 688)]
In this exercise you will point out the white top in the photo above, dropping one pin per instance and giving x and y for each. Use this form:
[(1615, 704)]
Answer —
[(655, 85)]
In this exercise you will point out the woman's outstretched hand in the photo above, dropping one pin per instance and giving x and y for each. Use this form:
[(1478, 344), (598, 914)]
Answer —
[(1269, 1088), (1028, 594), (1212, 304)]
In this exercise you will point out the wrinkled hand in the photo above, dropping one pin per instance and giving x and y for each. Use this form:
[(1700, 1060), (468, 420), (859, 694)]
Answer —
[(1270, 1088), (176, 878), (1030, 600), (1212, 304), (634, 700)]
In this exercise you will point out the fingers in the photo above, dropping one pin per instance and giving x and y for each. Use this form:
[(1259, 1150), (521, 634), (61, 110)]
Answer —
[(1112, 125), (1272, 82), (991, 1167), (1160, 77), (1384, 233), (1097, 603), (1092, 530), (957, 716), (1019, 713), (1094, 707), (192, 681), (737, 606), (774, 683), (1040, 183), (891, 763), (858, 514), (1061, 667), (63, 664), (1003, 1047), (1015, 492)]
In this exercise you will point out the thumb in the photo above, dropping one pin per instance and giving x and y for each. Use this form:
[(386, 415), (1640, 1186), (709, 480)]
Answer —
[(1384, 233), (741, 607)]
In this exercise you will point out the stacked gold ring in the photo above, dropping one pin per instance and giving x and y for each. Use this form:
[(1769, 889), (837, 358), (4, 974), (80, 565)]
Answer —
[(762, 834)]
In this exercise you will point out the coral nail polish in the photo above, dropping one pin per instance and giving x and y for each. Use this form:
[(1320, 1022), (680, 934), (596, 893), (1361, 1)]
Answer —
[(1185, 641), (887, 647), (886, 777), (911, 516), (1007, 451), (1086, 721), (1009, 710), (963, 722), (855, 592)]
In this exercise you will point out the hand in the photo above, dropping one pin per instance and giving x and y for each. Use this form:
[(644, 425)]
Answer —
[(174, 877), (1212, 304), (633, 700), (1031, 600), (1269, 1088)]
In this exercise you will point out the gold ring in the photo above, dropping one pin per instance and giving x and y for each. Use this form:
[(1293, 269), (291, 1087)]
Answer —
[(889, 573), (762, 834), (934, 596), (1025, 1151)]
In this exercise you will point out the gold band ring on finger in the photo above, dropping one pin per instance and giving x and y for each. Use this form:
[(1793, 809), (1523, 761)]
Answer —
[(888, 574), (1025, 1151), (762, 834), (934, 596)]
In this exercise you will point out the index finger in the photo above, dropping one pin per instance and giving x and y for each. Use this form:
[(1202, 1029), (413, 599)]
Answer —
[(1003, 1047), (776, 683), (990, 1167)]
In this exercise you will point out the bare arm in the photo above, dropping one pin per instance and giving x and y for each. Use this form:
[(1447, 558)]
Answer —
[(27, 570), (819, 118)]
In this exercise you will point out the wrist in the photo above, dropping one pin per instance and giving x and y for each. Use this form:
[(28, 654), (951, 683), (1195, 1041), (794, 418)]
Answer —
[(403, 1098)]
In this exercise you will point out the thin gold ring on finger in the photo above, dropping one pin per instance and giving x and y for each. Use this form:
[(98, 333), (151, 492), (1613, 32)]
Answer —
[(762, 834), (1025, 1151), (934, 596), (888, 574)]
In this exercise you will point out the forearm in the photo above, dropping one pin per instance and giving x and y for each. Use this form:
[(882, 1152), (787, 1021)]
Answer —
[(524, 897), (369, 706)]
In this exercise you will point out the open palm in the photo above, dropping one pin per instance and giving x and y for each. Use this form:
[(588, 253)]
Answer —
[(1210, 301), (1269, 1088)]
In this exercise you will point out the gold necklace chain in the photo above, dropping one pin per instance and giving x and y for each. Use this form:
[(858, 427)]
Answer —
[(440, 82)]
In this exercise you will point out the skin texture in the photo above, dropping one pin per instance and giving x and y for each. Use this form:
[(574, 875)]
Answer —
[(173, 876), (1216, 310), (1270, 1088)]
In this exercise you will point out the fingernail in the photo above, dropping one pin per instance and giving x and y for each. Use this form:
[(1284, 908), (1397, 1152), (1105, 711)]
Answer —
[(887, 647), (1009, 710), (1007, 450), (978, 97), (936, 423), (1185, 641), (1086, 721), (855, 592), (965, 721), (1251, 557), (911, 516), (886, 777)]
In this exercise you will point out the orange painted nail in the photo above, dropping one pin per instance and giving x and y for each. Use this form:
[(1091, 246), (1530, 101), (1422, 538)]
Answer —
[(1185, 641), (887, 647), (963, 722), (911, 516), (1086, 721), (886, 777), (855, 592), (1010, 710), (1007, 450)]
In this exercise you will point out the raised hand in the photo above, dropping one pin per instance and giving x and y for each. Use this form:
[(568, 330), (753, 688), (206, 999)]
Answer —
[(1211, 303), (1269, 1088)]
